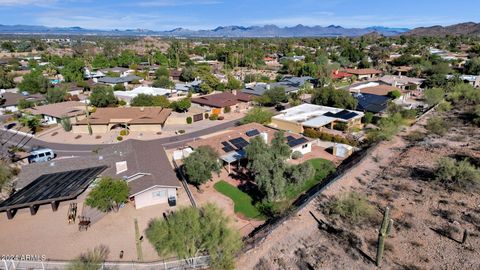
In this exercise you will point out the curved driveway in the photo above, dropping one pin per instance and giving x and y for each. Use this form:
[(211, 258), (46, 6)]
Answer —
[(62, 149)]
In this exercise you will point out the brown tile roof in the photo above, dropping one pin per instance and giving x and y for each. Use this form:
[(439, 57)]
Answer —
[(58, 110), (130, 115), (141, 157), (380, 90), (222, 100), (216, 141), (12, 99), (362, 71)]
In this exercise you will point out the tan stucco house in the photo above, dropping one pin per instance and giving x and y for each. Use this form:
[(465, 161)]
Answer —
[(141, 119)]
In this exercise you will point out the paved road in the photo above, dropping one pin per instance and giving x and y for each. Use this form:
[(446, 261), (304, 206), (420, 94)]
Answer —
[(7, 139)]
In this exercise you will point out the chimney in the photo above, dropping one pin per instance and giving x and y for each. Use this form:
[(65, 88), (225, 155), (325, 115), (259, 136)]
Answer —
[(264, 136)]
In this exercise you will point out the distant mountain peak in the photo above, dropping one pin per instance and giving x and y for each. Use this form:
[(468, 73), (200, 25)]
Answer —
[(232, 31)]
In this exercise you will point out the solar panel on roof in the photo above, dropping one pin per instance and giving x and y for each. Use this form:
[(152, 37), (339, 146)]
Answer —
[(297, 142), (239, 143), (253, 132), (225, 144), (290, 138), (228, 149)]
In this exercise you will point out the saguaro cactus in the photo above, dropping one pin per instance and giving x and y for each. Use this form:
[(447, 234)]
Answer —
[(385, 230), (90, 129)]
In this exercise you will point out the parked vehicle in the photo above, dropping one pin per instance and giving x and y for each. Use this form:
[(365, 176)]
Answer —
[(41, 155)]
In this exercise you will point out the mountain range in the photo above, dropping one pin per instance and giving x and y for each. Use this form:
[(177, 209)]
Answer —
[(461, 29), (469, 28), (219, 32)]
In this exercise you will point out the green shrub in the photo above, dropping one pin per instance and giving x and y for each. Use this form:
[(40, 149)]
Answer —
[(119, 138), (367, 118), (297, 155), (181, 131), (124, 132), (213, 117), (353, 207), (122, 102), (394, 94), (227, 109), (457, 175), (436, 125), (341, 126), (189, 120), (206, 115)]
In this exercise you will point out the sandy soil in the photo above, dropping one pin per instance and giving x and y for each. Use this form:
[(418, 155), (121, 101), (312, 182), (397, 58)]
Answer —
[(48, 233), (396, 174)]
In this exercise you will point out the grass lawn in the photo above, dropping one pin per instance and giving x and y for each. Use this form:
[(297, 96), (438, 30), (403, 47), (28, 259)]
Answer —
[(242, 201), (322, 169)]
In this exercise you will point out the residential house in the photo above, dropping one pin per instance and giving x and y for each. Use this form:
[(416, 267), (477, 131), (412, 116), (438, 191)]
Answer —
[(371, 103), (363, 73), (293, 58), (402, 82), (216, 103), (379, 89), (127, 96), (121, 71), (175, 75), (230, 145), (338, 75), (290, 84), (53, 113), (185, 88), (143, 165), (9, 100), (473, 80), (320, 118), (139, 119), (126, 80)]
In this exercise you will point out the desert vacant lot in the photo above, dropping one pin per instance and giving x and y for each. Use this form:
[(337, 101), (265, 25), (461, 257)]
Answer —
[(429, 219)]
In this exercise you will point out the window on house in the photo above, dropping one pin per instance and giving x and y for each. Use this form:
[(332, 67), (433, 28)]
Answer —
[(159, 194)]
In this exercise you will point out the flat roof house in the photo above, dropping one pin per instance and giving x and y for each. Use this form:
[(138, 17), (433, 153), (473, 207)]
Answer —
[(320, 118), (127, 96), (53, 113), (216, 103), (230, 145), (112, 81), (290, 84), (140, 119)]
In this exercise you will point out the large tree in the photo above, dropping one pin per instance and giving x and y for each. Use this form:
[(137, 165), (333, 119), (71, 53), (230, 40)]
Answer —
[(199, 166), (191, 232), (102, 96), (268, 166), (273, 96), (108, 194), (329, 96), (150, 101), (56, 95), (258, 115), (34, 82)]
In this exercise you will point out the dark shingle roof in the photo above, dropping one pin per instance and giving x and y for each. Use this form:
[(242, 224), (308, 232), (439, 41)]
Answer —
[(371, 103)]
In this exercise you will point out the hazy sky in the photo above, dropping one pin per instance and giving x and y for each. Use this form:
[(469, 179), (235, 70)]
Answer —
[(206, 14)]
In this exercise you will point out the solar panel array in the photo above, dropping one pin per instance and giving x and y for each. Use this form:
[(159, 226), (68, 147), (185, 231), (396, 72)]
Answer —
[(297, 142), (253, 132), (290, 138), (227, 147), (239, 143), (52, 187)]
